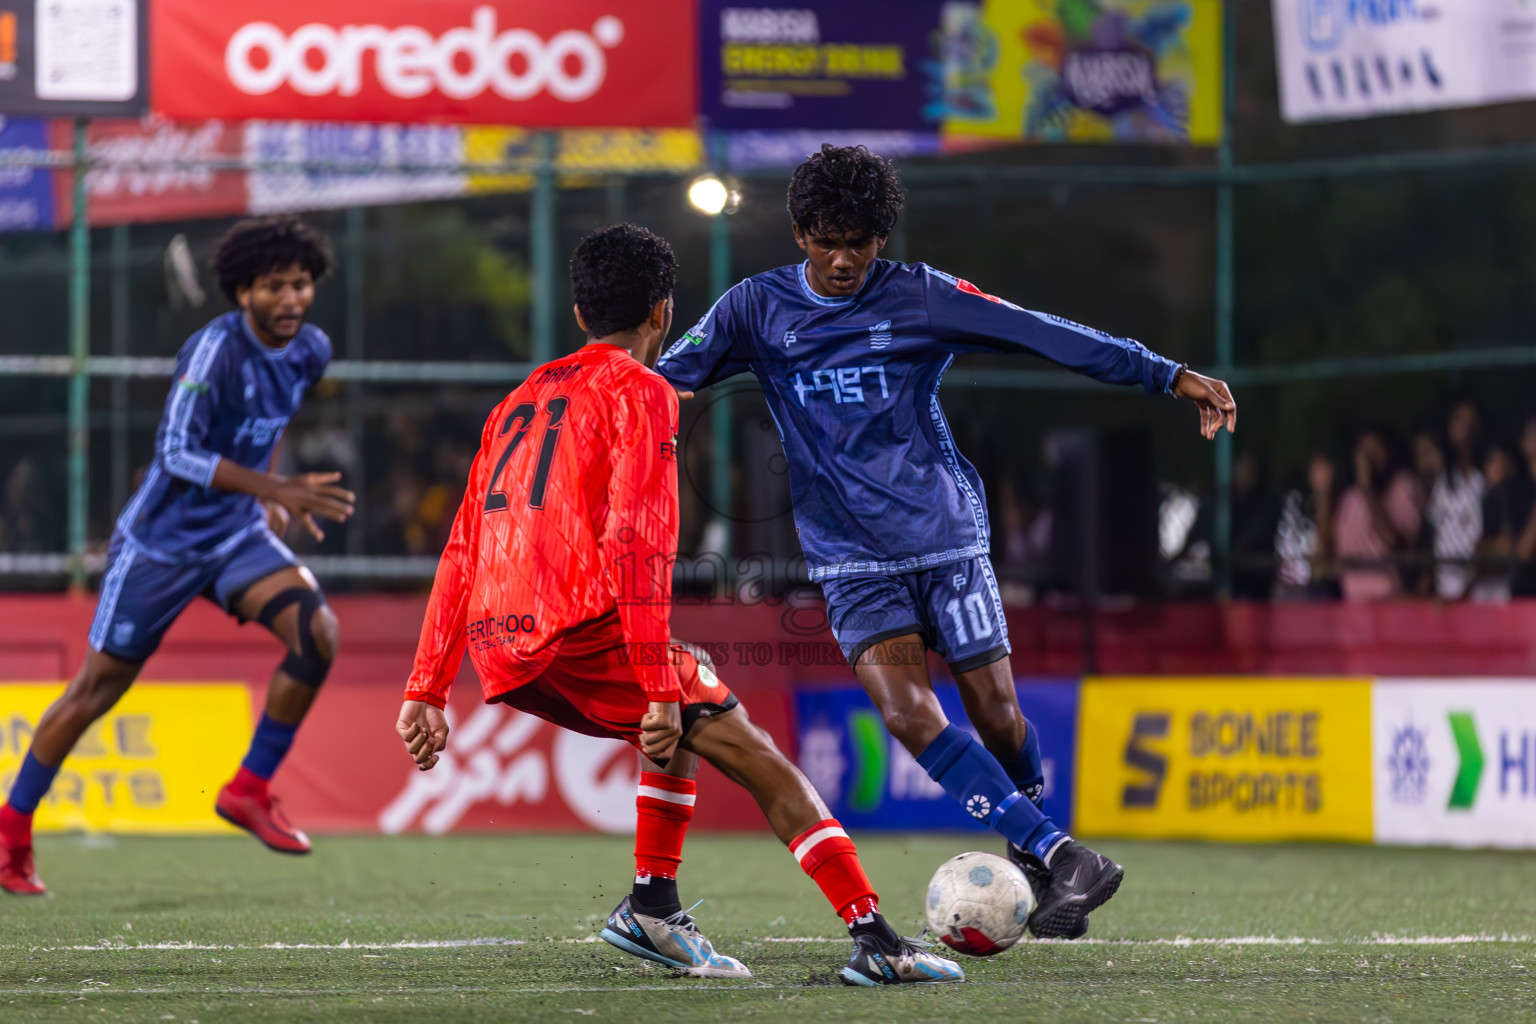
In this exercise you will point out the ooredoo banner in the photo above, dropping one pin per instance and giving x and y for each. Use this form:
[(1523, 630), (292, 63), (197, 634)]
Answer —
[(1238, 759), (578, 63), (1455, 762), (1344, 59)]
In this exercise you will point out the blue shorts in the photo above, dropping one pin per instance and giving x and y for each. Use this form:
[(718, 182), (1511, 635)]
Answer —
[(955, 608), (141, 595)]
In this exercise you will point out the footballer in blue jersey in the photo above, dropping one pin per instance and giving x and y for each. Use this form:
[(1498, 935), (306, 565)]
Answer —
[(207, 521), (850, 350)]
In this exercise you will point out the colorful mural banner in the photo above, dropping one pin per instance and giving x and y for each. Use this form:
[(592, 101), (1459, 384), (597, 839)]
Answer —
[(1232, 759), (153, 764), (870, 781), (1104, 71)]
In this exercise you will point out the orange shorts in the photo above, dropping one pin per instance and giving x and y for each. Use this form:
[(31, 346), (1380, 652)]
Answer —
[(590, 687)]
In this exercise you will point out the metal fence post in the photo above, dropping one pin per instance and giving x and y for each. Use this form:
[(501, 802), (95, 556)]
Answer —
[(721, 423), (79, 350), (357, 308), (122, 339), (1226, 291), (541, 243)]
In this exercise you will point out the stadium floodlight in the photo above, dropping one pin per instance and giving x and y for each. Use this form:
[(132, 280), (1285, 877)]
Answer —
[(712, 195)]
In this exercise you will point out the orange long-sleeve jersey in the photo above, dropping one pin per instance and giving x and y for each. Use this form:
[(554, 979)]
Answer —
[(570, 515)]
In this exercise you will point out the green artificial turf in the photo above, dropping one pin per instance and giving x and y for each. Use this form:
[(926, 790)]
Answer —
[(1198, 932)]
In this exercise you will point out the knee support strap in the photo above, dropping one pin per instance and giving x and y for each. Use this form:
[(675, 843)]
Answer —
[(308, 666)]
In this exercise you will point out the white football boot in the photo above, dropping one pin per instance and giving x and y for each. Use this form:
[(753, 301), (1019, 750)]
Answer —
[(673, 941)]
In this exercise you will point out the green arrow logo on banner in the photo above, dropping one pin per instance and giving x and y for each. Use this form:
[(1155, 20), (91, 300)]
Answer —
[(866, 733), (1464, 793)]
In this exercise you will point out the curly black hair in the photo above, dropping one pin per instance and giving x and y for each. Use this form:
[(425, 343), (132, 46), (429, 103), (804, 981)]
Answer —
[(618, 274), (846, 189), (261, 245)]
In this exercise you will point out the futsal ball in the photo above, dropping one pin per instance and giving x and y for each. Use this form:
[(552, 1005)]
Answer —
[(978, 904)]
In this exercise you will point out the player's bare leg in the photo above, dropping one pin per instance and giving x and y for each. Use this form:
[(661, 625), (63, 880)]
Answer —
[(96, 688), (897, 681), (748, 756), (287, 603)]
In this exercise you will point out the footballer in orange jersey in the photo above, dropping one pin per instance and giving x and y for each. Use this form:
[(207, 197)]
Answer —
[(557, 579)]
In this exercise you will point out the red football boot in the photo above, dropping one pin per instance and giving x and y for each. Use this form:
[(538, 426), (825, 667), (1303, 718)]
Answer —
[(18, 874), (258, 814)]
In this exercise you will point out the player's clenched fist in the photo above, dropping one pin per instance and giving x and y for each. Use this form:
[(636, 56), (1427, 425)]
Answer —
[(424, 729), (660, 729)]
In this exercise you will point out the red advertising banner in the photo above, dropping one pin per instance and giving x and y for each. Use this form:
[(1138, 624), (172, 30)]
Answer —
[(578, 63), (147, 171), (503, 771)]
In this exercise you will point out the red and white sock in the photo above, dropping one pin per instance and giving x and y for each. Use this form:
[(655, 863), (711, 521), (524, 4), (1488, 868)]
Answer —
[(665, 807), (15, 827), (825, 852)]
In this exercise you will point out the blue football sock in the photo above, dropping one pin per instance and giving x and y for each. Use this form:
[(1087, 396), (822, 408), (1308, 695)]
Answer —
[(269, 746), (1024, 768), (973, 777), (31, 784)]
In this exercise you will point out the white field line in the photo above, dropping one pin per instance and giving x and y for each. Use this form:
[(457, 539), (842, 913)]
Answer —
[(1184, 941), (679, 987), (1178, 942)]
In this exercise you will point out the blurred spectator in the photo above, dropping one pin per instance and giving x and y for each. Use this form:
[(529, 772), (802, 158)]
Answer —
[(1493, 573), (1016, 514), (1455, 510), (1255, 517), (21, 508), (1378, 517), (1183, 536), (1428, 459), (1509, 516), (1428, 465), (1300, 543)]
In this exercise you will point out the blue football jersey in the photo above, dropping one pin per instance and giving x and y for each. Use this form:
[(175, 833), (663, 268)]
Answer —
[(231, 399), (853, 384)]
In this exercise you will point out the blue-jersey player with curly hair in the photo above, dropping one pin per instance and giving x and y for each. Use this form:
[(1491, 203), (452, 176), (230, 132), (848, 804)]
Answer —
[(850, 350), (202, 523)]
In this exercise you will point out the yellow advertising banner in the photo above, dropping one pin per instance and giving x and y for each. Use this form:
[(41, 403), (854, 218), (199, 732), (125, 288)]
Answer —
[(1084, 71), (153, 764), (1238, 759), (579, 154)]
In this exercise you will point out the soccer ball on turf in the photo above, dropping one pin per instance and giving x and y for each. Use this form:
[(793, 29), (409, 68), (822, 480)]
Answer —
[(978, 904)]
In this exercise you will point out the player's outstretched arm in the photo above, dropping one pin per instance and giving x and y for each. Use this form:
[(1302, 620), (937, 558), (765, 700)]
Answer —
[(424, 730), (1213, 398), (304, 496)]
